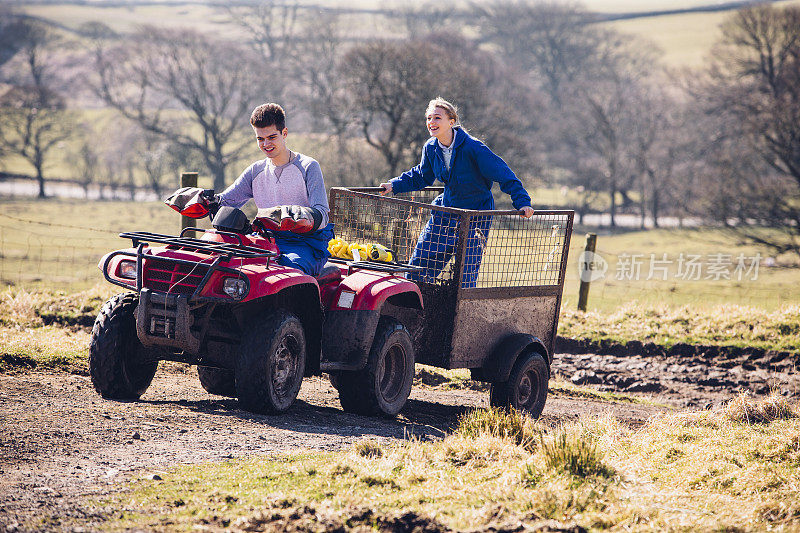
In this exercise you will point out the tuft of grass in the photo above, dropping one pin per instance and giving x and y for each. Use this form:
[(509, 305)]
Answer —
[(368, 448), (501, 423), (575, 454), (747, 410), (458, 378), (743, 409)]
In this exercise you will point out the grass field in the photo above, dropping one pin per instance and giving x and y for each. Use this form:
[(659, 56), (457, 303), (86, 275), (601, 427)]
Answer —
[(56, 244), (207, 18), (49, 252), (685, 39), (635, 256), (735, 468)]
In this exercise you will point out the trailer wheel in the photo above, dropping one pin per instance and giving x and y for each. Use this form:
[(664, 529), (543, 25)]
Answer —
[(271, 363), (383, 386), (217, 380), (121, 367), (526, 388)]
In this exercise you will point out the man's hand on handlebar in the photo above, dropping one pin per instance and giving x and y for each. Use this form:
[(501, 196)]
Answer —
[(211, 201), (526, 212), (387, 188)]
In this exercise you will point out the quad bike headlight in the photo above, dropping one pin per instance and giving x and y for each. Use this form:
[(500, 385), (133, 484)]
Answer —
[(127, 269), (236, 288)]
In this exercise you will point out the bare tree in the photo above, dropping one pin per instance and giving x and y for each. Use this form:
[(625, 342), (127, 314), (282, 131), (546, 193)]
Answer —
[(273, 28), (321, 86), (603, 116), (429, 16), (554, 41), (85, 163), (157, 161), (389, 85), (755, 79), (186, 87), (589, 137), (665, 148), (34, 117)]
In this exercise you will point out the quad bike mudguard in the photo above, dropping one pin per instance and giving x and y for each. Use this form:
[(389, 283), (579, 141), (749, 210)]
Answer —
[(351, 321)]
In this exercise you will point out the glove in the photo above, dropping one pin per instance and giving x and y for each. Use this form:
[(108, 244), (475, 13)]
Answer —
[(294, 218), (192, 202), (380, 253)]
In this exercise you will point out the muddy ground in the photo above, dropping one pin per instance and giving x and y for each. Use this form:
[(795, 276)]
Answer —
[(62, 446)]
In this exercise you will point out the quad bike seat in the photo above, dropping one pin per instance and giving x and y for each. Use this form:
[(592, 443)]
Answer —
[(330, 272)]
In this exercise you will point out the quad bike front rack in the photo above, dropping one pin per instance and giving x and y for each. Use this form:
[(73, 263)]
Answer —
[(184, 269)]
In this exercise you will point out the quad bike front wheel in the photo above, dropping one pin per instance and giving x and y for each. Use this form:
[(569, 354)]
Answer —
[(383, 386), (271, 363), (526, 388), (121, 368), (217, 381)]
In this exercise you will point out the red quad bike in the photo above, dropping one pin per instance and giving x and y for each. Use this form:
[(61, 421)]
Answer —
[(218, 299), (254, 328)]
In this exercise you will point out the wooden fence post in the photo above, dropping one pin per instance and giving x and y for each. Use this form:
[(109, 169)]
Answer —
[(188, 179), (586, 269)]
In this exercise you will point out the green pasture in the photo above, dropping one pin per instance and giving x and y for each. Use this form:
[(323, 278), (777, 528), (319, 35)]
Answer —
[(200, 17), (685, 39), (56, 243), (207, 18), (711, 254)]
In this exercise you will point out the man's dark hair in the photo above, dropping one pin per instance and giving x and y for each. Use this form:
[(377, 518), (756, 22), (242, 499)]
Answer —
[(268, 115)]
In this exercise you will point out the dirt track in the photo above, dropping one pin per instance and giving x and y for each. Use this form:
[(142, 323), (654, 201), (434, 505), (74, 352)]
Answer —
[(61, 443)]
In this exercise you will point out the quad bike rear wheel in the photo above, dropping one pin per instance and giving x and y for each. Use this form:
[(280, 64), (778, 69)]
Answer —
[(121, 368), (271, 363), (383, 386), (217, 380), (526, 388)]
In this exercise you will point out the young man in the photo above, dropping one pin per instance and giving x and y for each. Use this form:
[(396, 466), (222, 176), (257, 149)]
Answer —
[(289, 183)]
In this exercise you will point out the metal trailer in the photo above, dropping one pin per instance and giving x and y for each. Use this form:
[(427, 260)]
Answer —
[(491, 321)]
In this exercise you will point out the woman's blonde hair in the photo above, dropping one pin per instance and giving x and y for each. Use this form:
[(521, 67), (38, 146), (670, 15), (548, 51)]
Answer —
[(450, 109)]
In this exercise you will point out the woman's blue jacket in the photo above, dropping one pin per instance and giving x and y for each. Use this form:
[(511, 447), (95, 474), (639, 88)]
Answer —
[(468, 184)]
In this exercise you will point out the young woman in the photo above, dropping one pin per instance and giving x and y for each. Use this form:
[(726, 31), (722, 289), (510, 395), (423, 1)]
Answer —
[(468, 170)]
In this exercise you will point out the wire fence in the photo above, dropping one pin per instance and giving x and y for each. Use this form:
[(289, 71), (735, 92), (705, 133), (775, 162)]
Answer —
[(62, 256), (62, 252), (491, 249)]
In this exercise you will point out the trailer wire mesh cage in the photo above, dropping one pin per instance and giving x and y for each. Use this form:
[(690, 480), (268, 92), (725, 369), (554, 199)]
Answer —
[(482, 249)]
